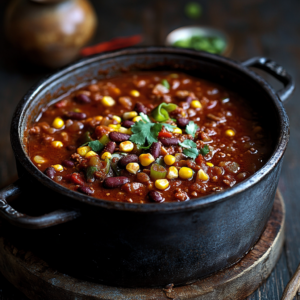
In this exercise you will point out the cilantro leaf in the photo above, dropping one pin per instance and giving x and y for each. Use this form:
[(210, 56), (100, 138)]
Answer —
[(165, 83), (191, 152), (169, 127), (205, 150), (160, 161), (96, 146), (145, 118), (191, 128), (145, 132), (188, 144)]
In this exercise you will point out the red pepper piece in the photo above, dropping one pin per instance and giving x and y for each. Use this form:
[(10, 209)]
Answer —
[(200, 159), (114, 44), (76, 178), (165, 134)]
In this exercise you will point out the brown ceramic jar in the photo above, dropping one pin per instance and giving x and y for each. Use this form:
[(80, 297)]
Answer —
[(50, 32)]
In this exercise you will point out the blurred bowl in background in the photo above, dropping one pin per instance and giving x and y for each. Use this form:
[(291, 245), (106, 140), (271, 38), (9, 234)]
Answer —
[(200, 38)]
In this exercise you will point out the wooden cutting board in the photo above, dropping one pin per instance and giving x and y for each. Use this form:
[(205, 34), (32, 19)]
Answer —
[(38, 281)]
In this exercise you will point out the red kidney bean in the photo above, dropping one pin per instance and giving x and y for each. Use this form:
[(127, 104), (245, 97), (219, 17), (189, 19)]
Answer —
[(170, 142), (127, 123), (155, 149), (82, 98), (118, 136), (68, 163), (182, 122), (50, 172), (85, 190), (140, 108), (110, 147), (75, 115), (114, 182), (130, 158), (156, 196)]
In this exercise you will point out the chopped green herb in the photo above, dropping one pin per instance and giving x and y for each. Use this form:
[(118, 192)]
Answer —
[(212, 44), (160, 161), (193, 10), (188, 144), (204, 150), (96, 146), (145, 118), (169, 127), (165, 83), (191, 128), (191, 152), (145, 132), (174, 120)]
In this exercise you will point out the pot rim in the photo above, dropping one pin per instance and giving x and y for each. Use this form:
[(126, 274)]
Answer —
[(22, 157)]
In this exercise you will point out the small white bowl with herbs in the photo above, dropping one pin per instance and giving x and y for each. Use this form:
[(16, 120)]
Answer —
[(200, 38)]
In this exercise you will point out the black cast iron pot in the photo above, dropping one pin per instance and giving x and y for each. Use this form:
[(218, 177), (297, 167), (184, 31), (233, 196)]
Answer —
[(127, 244)]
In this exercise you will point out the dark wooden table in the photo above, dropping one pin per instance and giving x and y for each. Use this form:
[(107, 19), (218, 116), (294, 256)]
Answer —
[(258, 28)]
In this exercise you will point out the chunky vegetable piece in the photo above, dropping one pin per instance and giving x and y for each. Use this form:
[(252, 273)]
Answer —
[(149, 137)]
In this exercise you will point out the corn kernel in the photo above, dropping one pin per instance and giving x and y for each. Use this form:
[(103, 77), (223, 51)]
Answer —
[(98, 118), (161, 184), (169, 159), (202, 175), (114, 126), (129, 115), (106, 155), (58, 168), (172, 173), (108, 101), (177, 130), (78, 110), (209, 164), (57, 144), (230, 132), (146, 159), (58, 123), (196, 104), (183, 113), (125, 130), (117, 118), (132, 168), (39, 159), (136, 119), (135, 93), (90, 154), (83, 150), (126, 146), (185, 173)]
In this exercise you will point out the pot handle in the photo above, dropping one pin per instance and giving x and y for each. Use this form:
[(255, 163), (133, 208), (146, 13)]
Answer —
[(22, 220), (271, 67)]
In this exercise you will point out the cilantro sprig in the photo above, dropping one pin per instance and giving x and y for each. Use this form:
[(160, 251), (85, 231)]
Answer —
[(191, 128), (96, 146), (145, 133), (190, 149)]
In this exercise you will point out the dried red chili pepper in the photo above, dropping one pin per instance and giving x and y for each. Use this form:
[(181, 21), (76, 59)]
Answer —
[(114, 44)]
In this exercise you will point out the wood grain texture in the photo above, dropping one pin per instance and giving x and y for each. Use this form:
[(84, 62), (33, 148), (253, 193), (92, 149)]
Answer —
[(36, 279), (258, 28)]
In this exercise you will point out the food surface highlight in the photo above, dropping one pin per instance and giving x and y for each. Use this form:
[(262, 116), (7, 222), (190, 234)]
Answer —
[(149, 137)]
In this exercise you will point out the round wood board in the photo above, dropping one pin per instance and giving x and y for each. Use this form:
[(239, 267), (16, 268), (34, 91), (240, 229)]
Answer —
[(38, 281)]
